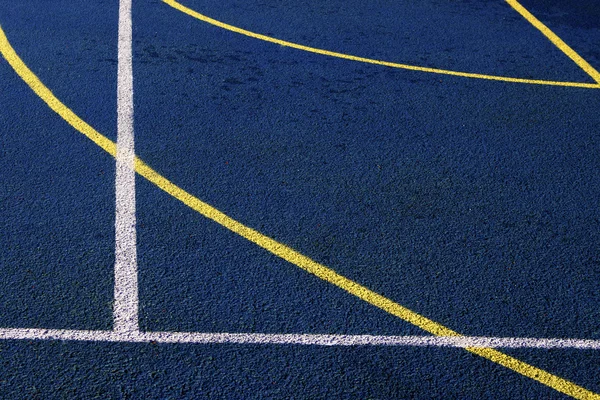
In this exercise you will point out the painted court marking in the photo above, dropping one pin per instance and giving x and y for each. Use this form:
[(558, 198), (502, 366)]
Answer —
[(126, 282), (274, 247), (558, 42), (295, 339), (563, 47)]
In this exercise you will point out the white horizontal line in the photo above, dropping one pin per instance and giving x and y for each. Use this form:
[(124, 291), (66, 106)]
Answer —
[(295, 339)]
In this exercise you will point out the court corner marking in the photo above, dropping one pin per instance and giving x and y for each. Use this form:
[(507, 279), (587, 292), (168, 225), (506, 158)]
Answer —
[(555, 382), (557, 41)]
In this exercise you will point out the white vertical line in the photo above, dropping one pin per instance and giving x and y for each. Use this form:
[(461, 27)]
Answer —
[(126, 284)]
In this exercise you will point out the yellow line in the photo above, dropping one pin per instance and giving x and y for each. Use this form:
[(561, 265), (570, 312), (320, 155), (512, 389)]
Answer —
[(277, 248), (545, 378), (45, 94), (556, 40), (291, 255), (265, 38)]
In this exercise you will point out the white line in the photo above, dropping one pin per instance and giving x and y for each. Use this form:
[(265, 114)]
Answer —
[(126, 285), (295, 339)]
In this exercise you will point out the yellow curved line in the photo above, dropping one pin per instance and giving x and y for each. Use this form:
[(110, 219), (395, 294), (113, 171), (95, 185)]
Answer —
[(277, 248), (315, 50)]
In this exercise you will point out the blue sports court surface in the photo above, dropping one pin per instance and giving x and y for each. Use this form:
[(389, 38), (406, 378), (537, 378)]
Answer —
[(300, 199)]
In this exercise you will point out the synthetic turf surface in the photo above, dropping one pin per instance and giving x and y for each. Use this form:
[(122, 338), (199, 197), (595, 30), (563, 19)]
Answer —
[(471, 202)]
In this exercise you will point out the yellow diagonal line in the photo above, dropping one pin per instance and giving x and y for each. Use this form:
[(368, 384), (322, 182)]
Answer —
[(277, 248), (204, 18), (572, 54)]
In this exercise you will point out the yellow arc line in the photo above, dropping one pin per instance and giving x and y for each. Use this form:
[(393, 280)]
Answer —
[(204, 18), (584, 65), (277, 248)]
